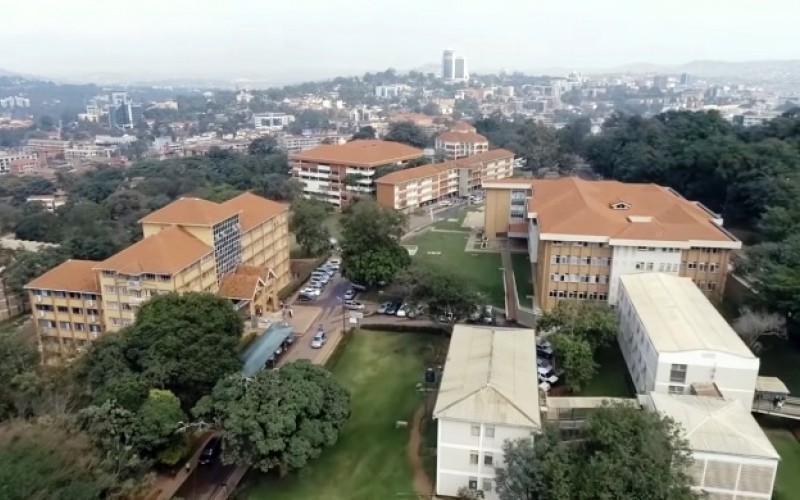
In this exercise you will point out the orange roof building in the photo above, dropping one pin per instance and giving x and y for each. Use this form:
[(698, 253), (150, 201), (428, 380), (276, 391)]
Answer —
[(582, 235), (339, 174), (460, 141), (411, 188), (238, 249)]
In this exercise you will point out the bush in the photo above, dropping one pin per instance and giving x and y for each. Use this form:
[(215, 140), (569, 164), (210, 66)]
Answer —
[(400, 328), (301, 278)]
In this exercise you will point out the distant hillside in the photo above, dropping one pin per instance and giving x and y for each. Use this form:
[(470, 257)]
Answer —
[(744, 70)]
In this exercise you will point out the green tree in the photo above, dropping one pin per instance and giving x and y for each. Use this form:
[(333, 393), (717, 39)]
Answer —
[(185, 343), (622, 452), (17, 356), (43, 226), (367, 132), (431, 109), (157, 424), (576, 357), (446, 295), (593, 321), (371, 252), (538, 144), (774, 267), (408, 133), (306, 223), (262, 146), (279, 419)]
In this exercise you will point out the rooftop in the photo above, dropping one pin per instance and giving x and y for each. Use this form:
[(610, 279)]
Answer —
[(69, 276), (167, 252), (570, 205), (461, 137), (362, 153), (253, 210), (678, 317), (490, 377), (409, 174), (189, 212), (716, 425)]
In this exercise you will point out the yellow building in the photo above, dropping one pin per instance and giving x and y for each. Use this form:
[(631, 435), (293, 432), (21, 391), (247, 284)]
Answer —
[(238, 249), (583, 235)]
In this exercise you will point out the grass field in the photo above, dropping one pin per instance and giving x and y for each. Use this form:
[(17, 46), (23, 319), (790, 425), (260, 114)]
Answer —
[(787, 483), (445, 252), (523, 276), (612, 377), (369, 461)]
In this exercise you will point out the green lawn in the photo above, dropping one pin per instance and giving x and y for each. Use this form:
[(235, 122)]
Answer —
[(612, 376), (787, 483), (445, 252), (369, 461), (781, 358), (455, 225), (523, 275)]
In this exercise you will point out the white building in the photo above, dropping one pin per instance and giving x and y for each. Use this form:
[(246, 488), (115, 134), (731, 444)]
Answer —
[(272, 121), (672, 337), (488, 394), (50, 202), (387, 91), (733, 459)]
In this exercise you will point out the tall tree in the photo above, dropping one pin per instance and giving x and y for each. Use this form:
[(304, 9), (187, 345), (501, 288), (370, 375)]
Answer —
[(595, 322), (306, 223), (28, 265), (157, 427), (371, 249), (447, 296), (408, 133), (576, 358), (367, 132), (279, 419)]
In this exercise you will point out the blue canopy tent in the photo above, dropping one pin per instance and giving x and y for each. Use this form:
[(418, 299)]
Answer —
[(263, 348)]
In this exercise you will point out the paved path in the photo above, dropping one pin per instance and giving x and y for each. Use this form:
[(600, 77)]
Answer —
[(423, 485)]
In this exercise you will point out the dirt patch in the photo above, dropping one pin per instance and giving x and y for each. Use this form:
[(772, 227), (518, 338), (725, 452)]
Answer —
[(422, 483)]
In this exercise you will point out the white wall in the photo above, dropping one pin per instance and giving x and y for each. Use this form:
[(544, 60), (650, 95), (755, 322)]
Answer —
[(741, 484), (533, 241), (455, 446), (735, 377), (624, 259)]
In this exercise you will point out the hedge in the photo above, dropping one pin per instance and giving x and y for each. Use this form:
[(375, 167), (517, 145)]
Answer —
[(399, 327)]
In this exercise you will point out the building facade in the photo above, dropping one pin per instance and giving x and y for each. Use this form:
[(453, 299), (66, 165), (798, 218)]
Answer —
[(674, 341), (414, 187), (453, 145), (338, 174), (272, 121), (583, 235), (238, 249), (295, 143), (488, 394)]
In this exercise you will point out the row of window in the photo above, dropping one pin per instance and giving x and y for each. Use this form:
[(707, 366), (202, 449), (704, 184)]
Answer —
[(142, 277), (121, 322), (124, 306), (702, 266), (586, 244), (64, 310), (562, 294), (474, 458), (658, 249), (63, 295), (580, 278), (67, 326), (473, 484), (580, 261)]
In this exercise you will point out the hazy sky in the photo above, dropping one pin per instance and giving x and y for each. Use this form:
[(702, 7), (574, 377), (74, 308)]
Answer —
[(289, 39)]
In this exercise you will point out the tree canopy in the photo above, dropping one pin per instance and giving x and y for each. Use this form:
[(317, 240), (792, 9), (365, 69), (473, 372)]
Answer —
[(446, 295), (306, 223), (408, 133), (622, 452), (371, 250), (278, 419)]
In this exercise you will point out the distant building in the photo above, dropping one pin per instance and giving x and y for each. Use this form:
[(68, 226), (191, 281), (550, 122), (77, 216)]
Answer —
[(108, 140), (448, 65), (295, 143), (338, 174), (125, 116), (459, 142), (487, 396), (15, 102), (686, 79), (752, 119), (50, 202), (387, 91), (9, 159), (460, 73), (673, 339), (411, 188), (272, 121), (661, 82)]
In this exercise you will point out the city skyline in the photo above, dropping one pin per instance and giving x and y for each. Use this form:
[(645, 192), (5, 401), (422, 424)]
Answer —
[(307, 40)]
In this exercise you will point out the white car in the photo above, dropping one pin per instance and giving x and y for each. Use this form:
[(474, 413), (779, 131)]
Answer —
[(350, 294), (402, 311), (319, 340), (311, 291), (353, 305)]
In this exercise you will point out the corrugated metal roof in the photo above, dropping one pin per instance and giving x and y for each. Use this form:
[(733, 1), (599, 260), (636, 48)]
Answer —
[(716, 425), (678, 317), (490, 377)]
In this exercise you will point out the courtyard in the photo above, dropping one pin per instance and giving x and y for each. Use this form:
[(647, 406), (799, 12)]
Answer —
[(444, 251), (381, 371)]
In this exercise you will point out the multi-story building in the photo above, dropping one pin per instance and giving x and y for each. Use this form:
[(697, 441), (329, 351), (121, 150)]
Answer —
[(460, 141), (339, 173), (10, 159), (732, 458), (272, 121), (460, 72), (414, 187), (488, 394), (295, 143), (583, 235), (673, 340), (448, 65), (238, 249), (50, 202)]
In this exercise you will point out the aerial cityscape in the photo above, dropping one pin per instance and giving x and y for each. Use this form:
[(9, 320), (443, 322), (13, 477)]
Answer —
[(479, 264)]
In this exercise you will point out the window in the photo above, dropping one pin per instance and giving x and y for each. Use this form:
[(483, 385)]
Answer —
[(77, 310), (488, 459), (649, 266), (691, 265), (64, 325), (676, 389), (473, 458), (62, 309), (79, 327), (473, 483), (487, 485), (701, 266), (640, 266), (712, 286), (475, 430), (677, 373), (712, 267), (489, 431)]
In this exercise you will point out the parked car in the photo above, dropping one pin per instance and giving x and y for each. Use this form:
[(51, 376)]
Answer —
[(350, 294), (319, 339), (317, 283), (311, 291), (445, 203), (488, 314), (401, 311), (304, 297), (210, 451), (476, 314), (325, 271), (320, 276), (391, 310), (353, 305), (335, 261), (547, 374), (544, 349), (382, 308)]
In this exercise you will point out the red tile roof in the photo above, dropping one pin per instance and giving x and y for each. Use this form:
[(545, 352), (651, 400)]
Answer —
[(407, 174), (69, 276), (189, 212), (253, 210), (167, 252), (363, 153)]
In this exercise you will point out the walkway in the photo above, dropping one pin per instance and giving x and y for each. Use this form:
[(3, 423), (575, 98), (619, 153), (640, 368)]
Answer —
[(790, 408), (423, 485), (510, 286)]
